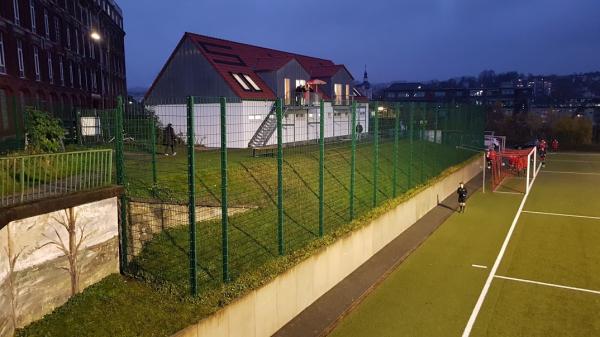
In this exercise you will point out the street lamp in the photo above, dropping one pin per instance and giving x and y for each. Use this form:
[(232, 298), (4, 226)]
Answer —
[(95, 36)]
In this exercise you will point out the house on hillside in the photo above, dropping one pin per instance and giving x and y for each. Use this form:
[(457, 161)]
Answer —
[(251, 78)]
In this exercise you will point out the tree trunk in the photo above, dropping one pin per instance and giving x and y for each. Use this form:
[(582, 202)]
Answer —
[(73, 251)]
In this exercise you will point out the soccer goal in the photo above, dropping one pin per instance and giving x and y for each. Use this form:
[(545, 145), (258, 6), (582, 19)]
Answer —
[(513, 171)]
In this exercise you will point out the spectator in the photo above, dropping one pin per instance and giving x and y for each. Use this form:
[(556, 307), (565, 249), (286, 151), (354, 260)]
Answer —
[(169, 140)]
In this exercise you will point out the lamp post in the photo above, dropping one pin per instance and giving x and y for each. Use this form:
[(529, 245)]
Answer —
[(97, 37)]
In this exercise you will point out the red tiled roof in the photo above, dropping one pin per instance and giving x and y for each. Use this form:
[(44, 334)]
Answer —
[(233, 57), (270, 64), (325, 71)]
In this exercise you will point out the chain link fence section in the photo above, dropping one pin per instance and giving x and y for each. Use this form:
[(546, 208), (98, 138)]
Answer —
[(282, 174)]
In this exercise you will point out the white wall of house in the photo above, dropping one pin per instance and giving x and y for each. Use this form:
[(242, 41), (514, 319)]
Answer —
[(244, 119)]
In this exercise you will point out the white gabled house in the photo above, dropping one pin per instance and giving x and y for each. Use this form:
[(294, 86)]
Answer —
[(252, 78)]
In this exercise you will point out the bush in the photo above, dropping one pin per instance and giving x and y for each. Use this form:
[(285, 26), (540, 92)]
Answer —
[(573, 131), (44, 132)]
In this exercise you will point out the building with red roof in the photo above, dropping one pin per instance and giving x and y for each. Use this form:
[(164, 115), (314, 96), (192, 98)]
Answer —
[(254, 77)]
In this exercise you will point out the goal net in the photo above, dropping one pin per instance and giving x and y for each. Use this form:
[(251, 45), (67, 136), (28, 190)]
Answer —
[(513, 170)]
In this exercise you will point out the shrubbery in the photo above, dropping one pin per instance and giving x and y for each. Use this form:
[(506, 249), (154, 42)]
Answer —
[(573, 131), (523, 128), (44, 132)]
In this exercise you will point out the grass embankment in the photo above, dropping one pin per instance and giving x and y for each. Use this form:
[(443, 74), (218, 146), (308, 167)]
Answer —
[(253, 184), (161, 308)]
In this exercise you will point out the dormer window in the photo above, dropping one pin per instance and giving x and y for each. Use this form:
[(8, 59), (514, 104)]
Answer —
[(246, 82)]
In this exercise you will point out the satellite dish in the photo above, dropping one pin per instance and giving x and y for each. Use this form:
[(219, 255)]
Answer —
[(359, 128)]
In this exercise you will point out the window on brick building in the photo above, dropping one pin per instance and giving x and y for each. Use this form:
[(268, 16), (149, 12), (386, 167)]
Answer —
[(17, 15), (32, 14), (2, 57)]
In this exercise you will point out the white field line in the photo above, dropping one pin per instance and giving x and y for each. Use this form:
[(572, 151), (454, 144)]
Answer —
[(565, 215), (567, 172), (488, 282), (572, 154), (548, 284), (503, 192), (478, 266), (574, 161), (501, 181)]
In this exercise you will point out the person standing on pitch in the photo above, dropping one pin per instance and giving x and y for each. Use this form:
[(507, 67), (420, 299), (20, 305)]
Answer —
[(462, 197), (542, 148)]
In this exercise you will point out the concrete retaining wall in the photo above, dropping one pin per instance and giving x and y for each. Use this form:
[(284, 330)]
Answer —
[(264, 311)]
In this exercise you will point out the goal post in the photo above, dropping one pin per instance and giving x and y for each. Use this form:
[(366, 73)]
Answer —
[(513, 171)]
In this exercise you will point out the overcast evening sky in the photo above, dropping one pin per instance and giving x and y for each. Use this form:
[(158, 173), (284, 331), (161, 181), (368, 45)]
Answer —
[(397, 39)]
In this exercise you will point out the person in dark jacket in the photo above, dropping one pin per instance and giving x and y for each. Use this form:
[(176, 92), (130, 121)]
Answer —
[(462, 197), (169, 140), (300, 95)]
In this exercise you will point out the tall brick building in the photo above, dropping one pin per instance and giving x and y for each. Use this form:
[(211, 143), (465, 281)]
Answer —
[(48, 57)]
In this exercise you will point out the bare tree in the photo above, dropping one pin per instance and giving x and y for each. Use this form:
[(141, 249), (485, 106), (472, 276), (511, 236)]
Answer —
[(71, 248)]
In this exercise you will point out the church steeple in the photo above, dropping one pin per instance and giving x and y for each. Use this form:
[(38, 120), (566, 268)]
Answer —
[(365, 84)]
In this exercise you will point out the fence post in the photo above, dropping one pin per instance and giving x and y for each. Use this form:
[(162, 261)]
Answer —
[(224, 203), (458, 112), (353, 161), (446, 134), (411, 130), (192, 196), (396, 136), (280, 236), (321, 168), (22, 179), (120, 164), (78, 131), (375, 153), (435, 141), (20, 142), (421, 137), (153, 149)]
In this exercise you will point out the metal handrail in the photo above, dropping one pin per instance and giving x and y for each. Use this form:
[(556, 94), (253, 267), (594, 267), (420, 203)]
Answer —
[(27, 178)]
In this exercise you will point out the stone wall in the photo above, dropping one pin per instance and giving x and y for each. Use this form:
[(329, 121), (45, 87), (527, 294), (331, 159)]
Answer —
[(45, 259), (264, 311)]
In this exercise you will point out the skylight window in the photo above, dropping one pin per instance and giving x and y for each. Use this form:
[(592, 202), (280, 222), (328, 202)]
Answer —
[(241, 82), (254, 86), (246, 82)]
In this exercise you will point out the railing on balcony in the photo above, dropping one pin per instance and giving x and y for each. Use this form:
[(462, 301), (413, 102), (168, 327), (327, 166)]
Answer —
[(343, 100), (303, 99), (312, 99), (33, 177)]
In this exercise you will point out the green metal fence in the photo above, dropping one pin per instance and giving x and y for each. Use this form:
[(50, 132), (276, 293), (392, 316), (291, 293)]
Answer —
[(65, 109), (33, 177), (283, 174)]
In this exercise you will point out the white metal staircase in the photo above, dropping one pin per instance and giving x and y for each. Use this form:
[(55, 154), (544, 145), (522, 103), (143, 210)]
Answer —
[(265, 131)]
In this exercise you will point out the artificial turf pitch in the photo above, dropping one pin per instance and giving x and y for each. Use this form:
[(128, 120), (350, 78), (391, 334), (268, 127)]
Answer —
[(547, 282)]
